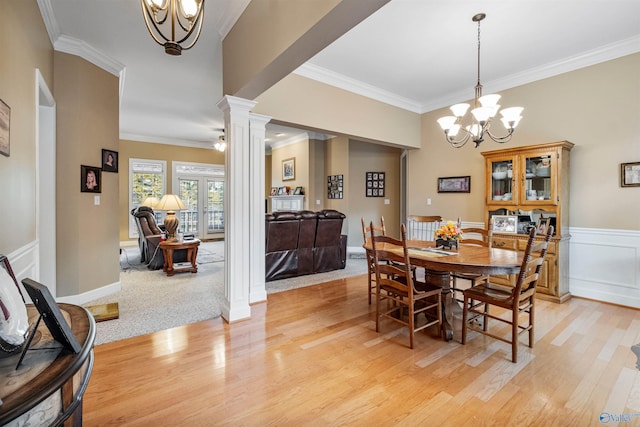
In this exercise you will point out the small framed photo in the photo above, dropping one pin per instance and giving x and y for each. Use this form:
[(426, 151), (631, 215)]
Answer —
[(629, 174), (505, 224), (282, 191), (543, 225), (298, 191), (289, 169), (274, 191), (454, 184), (5, 127), (90, 179), (109, 161)]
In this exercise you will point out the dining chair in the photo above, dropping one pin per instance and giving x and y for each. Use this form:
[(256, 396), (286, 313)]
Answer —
[(519, 300), (421, 227), (472, 236), (379, 230), (397, 288)]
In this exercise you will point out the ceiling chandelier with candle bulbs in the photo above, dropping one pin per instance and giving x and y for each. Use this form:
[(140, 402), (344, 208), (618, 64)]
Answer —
[(484, 110), (173, 23)]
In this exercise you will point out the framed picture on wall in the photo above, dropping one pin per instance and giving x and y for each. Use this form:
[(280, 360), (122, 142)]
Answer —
[(109, 160), (374, 184), (90, 179), (630, 174), (289, 169), (335, 186), (454, 184)]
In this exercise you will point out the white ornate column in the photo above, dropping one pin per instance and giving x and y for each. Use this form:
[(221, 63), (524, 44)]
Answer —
[(257, 289), (237, 237)]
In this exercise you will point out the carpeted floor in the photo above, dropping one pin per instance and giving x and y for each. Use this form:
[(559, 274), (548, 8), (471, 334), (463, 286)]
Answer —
[(150, 301)]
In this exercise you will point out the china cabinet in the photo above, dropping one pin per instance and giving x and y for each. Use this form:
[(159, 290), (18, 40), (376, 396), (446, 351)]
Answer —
[(532, 184)]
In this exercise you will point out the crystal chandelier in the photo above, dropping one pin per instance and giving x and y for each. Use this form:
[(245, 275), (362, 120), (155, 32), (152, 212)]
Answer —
[(484, 110), (185, 16)]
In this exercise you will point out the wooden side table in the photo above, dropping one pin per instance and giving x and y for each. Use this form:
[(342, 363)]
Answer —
[(192, 252), (48, 387)]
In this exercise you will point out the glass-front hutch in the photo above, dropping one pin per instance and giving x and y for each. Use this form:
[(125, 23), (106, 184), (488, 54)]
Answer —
[(532, 184)]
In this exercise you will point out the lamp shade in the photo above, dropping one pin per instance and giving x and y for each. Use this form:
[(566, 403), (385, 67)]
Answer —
[(169, 202), (150, 202)]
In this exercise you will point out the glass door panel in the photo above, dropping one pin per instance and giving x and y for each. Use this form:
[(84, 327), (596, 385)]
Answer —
[(189, 193), (502, 180), (214, 211), (538, 178)]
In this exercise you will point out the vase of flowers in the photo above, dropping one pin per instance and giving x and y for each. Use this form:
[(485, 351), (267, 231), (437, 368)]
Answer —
[(448, 235)]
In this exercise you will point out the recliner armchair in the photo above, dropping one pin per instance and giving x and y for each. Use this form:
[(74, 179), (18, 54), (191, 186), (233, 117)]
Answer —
[(149, 237)]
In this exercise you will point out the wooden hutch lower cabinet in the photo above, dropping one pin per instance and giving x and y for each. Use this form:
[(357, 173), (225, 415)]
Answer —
[(532, 184)]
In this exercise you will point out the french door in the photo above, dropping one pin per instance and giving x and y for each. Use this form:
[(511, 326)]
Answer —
[(203, 197)]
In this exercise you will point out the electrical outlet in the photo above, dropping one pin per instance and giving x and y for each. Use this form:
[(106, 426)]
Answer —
[(429, 202)]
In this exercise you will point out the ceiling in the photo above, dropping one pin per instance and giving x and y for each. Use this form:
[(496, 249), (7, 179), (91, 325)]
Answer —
[(419, 55)]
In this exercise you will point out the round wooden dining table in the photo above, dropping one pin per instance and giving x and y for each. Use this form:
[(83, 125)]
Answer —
[(439, 264)]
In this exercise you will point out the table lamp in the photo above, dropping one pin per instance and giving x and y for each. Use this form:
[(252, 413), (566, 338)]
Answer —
[(170, 203), (150, 202)]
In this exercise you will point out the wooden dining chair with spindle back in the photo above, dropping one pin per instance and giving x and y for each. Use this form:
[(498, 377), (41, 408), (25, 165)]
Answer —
[(519, 300), (378, 230), (404, 298), (472, 236), (422, 227)]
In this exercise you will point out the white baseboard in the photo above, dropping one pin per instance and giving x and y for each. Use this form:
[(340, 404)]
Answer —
[(91, 295)]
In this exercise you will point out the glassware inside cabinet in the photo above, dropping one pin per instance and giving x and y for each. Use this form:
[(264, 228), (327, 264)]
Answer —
[(501, 180), (538, 178)]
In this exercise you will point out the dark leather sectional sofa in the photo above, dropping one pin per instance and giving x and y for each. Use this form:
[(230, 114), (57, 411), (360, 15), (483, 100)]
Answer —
[(304, 242)]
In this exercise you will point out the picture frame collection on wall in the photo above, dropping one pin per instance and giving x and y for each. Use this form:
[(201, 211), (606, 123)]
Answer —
[(335, 189), (91, 176), (375, 182)]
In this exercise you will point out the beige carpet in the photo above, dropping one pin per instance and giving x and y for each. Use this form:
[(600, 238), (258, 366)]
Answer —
[(150, 301)]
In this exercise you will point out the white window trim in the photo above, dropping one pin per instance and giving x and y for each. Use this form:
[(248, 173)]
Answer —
[(133, 232)]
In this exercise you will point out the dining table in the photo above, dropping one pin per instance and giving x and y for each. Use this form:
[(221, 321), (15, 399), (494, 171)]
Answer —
[(439, 264)]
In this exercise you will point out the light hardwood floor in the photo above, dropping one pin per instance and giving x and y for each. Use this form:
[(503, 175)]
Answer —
[(311, 356)]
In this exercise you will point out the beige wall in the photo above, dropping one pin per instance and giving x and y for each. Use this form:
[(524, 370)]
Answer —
[(87, 100), (152, 151), (363, 158), (25, 47), (300, 152), (596, 108), (335, 111)]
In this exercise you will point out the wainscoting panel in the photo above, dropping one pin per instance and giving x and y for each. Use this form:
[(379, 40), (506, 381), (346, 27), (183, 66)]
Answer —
[(605, 265), (24, 263)]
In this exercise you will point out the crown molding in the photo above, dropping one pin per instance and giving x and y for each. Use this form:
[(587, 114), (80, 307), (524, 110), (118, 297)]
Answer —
[(347, 83), (167, 141), (602, 54), (50, 23), (304, 136), (84, 50)]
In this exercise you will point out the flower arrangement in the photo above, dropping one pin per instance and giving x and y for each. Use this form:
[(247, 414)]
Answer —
[(449, 231)]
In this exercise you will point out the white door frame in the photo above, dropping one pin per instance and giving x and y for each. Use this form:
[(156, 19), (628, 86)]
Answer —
[(45, 149)]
